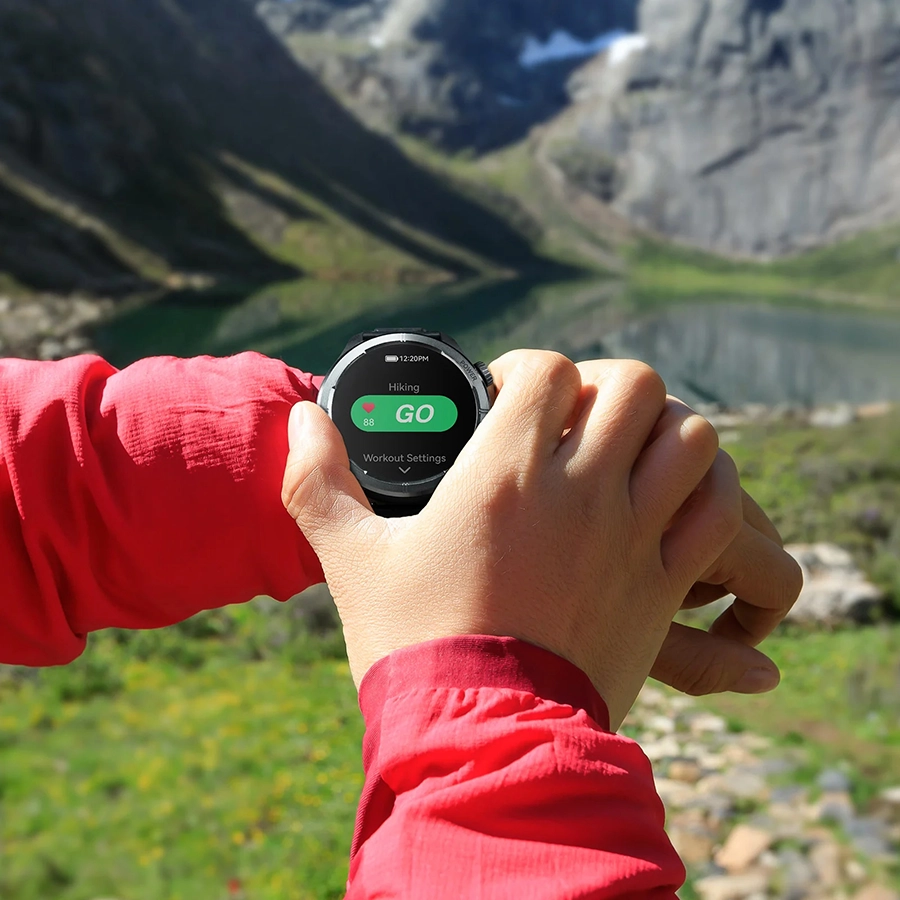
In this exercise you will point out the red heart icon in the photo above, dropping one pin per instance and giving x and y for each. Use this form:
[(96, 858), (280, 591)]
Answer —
[(368, 407)]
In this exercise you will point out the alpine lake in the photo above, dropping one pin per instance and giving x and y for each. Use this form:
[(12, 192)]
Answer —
[(724, 350)]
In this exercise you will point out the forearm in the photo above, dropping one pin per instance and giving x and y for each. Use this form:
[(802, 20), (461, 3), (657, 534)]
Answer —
[(490, 773), (137, 498)]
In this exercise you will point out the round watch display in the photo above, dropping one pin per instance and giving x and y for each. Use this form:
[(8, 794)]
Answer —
[(406, 405)]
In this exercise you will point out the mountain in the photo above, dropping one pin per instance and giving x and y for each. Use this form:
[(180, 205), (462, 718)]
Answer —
[(185, 142), (749, 127), (753, 128), (450, 71), (171, 140)]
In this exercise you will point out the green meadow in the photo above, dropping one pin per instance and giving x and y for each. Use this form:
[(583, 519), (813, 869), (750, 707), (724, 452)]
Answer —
[(221, 758)]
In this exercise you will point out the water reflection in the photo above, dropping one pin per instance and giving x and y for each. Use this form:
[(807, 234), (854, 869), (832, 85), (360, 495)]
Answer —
[(736, 353), (732, 352)]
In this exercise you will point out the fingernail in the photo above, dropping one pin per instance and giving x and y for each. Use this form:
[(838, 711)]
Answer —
[(757, 681), (295, 425)]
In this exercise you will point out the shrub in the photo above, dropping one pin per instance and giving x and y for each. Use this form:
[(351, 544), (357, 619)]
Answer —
[(93, 674)]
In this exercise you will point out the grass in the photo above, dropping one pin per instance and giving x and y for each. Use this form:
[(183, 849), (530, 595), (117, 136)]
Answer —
[(222, 755), (180, 776), (318, 240), (224, 752), (868, 265), (840, 692), (838, 485), (839, 698), (863, 271), (859, 271)]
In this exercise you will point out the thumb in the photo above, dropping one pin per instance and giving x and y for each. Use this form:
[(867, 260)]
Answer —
[(319, 490)]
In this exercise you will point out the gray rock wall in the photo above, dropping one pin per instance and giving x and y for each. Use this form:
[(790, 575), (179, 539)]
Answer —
[(750, 127), (446, 70)]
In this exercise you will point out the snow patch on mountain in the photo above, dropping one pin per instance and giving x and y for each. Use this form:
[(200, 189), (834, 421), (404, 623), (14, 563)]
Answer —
[(563, 45)]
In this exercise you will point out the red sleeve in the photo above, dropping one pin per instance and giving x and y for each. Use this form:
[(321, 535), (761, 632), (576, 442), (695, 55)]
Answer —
[(491, 773), (137, 498)]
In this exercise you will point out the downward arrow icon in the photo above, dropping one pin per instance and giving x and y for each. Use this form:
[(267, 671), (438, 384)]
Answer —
[(406, 470)]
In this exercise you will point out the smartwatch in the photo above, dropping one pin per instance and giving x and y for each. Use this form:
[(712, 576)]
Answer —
[(406, 402)]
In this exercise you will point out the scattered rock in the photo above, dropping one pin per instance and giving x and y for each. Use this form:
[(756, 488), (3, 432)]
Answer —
[(49, 326), (694, 843), (789, 795), (876, 892), (51, 348), (854, 870), (747, 785), (742, 848), (651, 697), (662, 724), (873, 410), (887, 804), (833, 417), (869, 836), (833, 780), (798, 872), (787, 847), (706, 722), (662, 748), (825, 859), (834, 588), (834, 806), (732, 887), (674, 794), (687, 770), (755, 741)]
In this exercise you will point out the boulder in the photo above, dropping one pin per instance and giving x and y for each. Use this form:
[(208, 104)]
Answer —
[(837, 416), (834, 589), (732, 887), (745, 844)]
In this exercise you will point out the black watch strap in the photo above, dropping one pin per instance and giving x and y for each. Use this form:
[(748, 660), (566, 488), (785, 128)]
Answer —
[(397, 508), (378, 332)]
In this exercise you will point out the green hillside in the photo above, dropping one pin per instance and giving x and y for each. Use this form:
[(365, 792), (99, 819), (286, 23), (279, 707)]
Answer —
[(146, 143)]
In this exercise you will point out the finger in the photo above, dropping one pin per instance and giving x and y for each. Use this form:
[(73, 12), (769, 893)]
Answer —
[(702, 595), (705, 526), (319, 490), (622, 402), (537, 394), (765, 580), (694, 662), (682, 447), (755, 516)]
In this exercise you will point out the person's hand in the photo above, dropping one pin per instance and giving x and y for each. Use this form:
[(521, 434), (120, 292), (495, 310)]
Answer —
[(578, 518), (766, 582)]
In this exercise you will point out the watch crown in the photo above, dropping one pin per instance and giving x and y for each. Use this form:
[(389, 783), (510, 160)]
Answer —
[(485, 372)]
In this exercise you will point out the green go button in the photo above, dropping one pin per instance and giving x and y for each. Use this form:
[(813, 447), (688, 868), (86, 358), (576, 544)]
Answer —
[(398, 412)]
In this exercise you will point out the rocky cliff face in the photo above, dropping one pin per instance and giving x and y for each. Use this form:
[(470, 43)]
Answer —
[(447, 70), (753, 127), (749, 127)]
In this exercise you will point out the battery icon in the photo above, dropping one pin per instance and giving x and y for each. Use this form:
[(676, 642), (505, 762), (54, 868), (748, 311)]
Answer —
[(391, 358)]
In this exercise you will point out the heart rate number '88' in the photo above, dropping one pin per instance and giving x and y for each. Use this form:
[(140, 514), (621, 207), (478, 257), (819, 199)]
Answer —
[(402, 413)]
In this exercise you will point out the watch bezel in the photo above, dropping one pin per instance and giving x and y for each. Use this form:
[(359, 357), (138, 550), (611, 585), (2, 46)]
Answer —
[(412, 490)]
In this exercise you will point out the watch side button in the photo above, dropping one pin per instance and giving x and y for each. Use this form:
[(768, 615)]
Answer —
[(486, 372)]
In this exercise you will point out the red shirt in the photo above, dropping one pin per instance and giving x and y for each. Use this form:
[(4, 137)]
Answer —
[(135, 499)]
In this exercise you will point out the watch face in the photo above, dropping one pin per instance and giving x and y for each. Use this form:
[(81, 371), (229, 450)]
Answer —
[(405, 412)]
